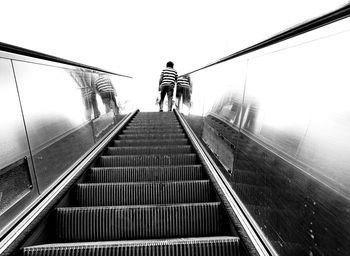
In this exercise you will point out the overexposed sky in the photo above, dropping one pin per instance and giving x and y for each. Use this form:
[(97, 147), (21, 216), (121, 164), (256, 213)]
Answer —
[(137, 37)]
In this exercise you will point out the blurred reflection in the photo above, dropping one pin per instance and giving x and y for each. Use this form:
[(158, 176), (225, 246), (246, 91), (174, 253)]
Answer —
[(250, 114), (86, 81), (105, 88), (229, 106), (183, 91)]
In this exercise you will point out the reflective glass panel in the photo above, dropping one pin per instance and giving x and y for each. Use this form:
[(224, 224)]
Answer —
[(55, 111), (13, 141), (291, 140)]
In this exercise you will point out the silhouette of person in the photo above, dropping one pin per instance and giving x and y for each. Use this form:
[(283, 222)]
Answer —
[(105, 88), (168, 78)]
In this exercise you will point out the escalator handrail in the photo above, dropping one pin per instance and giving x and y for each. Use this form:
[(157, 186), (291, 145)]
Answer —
[(34, 54)]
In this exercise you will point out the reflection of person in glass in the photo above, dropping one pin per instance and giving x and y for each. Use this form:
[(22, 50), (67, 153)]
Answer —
[(250, 111), (183, 90), (85, 80), (167, 81), (107, 92)]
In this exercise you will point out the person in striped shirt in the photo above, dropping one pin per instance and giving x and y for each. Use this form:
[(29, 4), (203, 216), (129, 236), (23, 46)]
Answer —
[(167, 81), (183, 90), (107, 92)]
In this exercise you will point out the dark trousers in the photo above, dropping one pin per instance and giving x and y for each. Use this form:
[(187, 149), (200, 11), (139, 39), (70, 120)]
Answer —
[(168, 90)]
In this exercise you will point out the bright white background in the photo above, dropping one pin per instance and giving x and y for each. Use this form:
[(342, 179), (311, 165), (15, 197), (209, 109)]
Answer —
[(138, 37)]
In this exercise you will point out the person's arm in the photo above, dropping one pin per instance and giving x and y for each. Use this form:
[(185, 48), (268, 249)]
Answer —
[(160, 81)]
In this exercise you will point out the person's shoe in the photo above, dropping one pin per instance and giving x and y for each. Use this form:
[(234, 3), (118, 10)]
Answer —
[(160, 110)]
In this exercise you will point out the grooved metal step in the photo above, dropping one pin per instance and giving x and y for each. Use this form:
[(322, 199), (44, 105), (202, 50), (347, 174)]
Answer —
[(149, 150), (138, 222), (154, 121), (203, 246), (152, 136), (147, 160), (153, 126), (134, 174), (156, 130), (149, 142), (141, 193)]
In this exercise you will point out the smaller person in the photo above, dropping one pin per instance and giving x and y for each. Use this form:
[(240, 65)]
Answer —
[(167, 81), (183, 90), (107, 92)]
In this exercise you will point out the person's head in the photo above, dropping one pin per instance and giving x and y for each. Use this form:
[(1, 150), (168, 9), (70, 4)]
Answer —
[(170, 64)]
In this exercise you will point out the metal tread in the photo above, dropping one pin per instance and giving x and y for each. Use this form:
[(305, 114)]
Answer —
[(141, 193), (145, 173), (103, 223), (151, 131), (193, 246), (164, 149), (147, 160), (150, 136), (150, 142)]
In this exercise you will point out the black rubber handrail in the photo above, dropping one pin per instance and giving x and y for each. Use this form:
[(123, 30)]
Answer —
[(30, 53), (321, 21)]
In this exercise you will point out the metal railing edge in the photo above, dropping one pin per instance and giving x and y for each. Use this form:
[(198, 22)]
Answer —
[(13, 49)]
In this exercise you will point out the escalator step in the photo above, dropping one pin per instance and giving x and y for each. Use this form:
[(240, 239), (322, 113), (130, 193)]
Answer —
[(141, 193), (138, 222), (151, 136), (150, 142), (147, 160), (149, 150), (206, 246), (153, 126), (134, 174), (155, 121), (151, 131)]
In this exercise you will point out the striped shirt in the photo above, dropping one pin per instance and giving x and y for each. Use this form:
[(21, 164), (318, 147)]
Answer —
[(104, 84), (168, 77), (183, 82)]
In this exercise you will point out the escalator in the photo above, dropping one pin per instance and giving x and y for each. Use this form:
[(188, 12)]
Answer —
[(148, 193)]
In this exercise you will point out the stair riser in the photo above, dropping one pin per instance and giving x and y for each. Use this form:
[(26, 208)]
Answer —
[(220, 248), (143, 194), (148, 150), (151, 136), (157, 122), (147, 160), (152, 131), (136, 174), (113, 223), (131, 143)]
